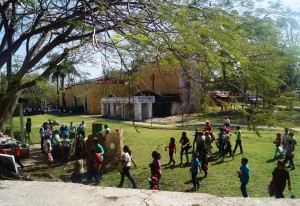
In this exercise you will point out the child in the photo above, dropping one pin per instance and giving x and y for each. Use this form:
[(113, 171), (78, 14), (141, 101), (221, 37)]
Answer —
[(185, 146), (47, 150), (280, 177), (77, 176), (277, 143), (126, 159), (221, 141), (195, 137), (66, 145), (98, 153), (155, 166), (195, 170), (289, 156), (208, 142), (172, 150), (204, 162), (227, 147), (244, 175), (200, 144), (153, 183), (56, 145), (97, 168), (238, 141), (17, 154)]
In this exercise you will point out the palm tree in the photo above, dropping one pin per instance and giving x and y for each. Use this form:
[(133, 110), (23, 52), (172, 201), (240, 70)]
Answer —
[(63, 70)]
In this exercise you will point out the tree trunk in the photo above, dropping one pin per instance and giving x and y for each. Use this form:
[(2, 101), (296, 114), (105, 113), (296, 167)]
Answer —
[(7, 105), (63, 97)]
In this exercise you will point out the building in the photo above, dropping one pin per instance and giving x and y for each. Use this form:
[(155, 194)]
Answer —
[(154, 92)]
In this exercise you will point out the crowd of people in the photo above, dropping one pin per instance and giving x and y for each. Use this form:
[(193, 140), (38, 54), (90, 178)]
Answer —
[(53, 142), (202, 147)]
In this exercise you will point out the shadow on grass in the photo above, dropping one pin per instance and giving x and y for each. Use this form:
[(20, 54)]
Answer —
[(221, 161), (274, 159), (65, 178), (42, 175)]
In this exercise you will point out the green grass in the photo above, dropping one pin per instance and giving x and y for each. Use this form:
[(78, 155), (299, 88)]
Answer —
[(222, 178)]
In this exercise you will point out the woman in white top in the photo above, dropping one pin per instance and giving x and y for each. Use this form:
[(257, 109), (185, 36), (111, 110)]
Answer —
[(126, 160)]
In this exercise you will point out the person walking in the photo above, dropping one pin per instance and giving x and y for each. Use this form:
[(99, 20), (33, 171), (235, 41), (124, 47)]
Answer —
[(126, 159), (155, 167), (277, 143), (195, 169), (238, 141), (185, 146), (244, 175), (172, 150), (280, 176)]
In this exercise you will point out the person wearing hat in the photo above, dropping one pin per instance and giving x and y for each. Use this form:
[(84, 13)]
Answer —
[(107, 130), (17, 154), (207, 126), (279, 177), (63, 129), (226, 120)]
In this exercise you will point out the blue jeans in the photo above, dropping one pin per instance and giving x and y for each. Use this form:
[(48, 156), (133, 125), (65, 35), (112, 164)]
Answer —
[(98, 175), (244, 189), (184, 150), (126, 172)]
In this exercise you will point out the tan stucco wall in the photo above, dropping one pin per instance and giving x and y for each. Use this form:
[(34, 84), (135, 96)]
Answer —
[(166, 79)]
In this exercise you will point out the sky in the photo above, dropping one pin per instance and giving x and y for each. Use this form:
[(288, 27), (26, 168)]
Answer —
[(97, 72)]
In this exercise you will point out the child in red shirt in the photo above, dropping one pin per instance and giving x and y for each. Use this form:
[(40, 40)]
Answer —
[(172, 150), (17, 154), (277, 143), (97, 168)]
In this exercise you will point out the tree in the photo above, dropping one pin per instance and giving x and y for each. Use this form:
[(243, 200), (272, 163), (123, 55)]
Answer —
[(37, 28), (63, 70)]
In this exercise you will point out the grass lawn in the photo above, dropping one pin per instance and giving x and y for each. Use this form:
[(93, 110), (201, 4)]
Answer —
[(222, 177)]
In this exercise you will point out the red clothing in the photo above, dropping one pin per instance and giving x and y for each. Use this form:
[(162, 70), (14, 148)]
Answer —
[(172, 147), (227, 130), (153, 187), (97, 162), (207, 127), (16, 151), (278, 141), (3, 151)]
